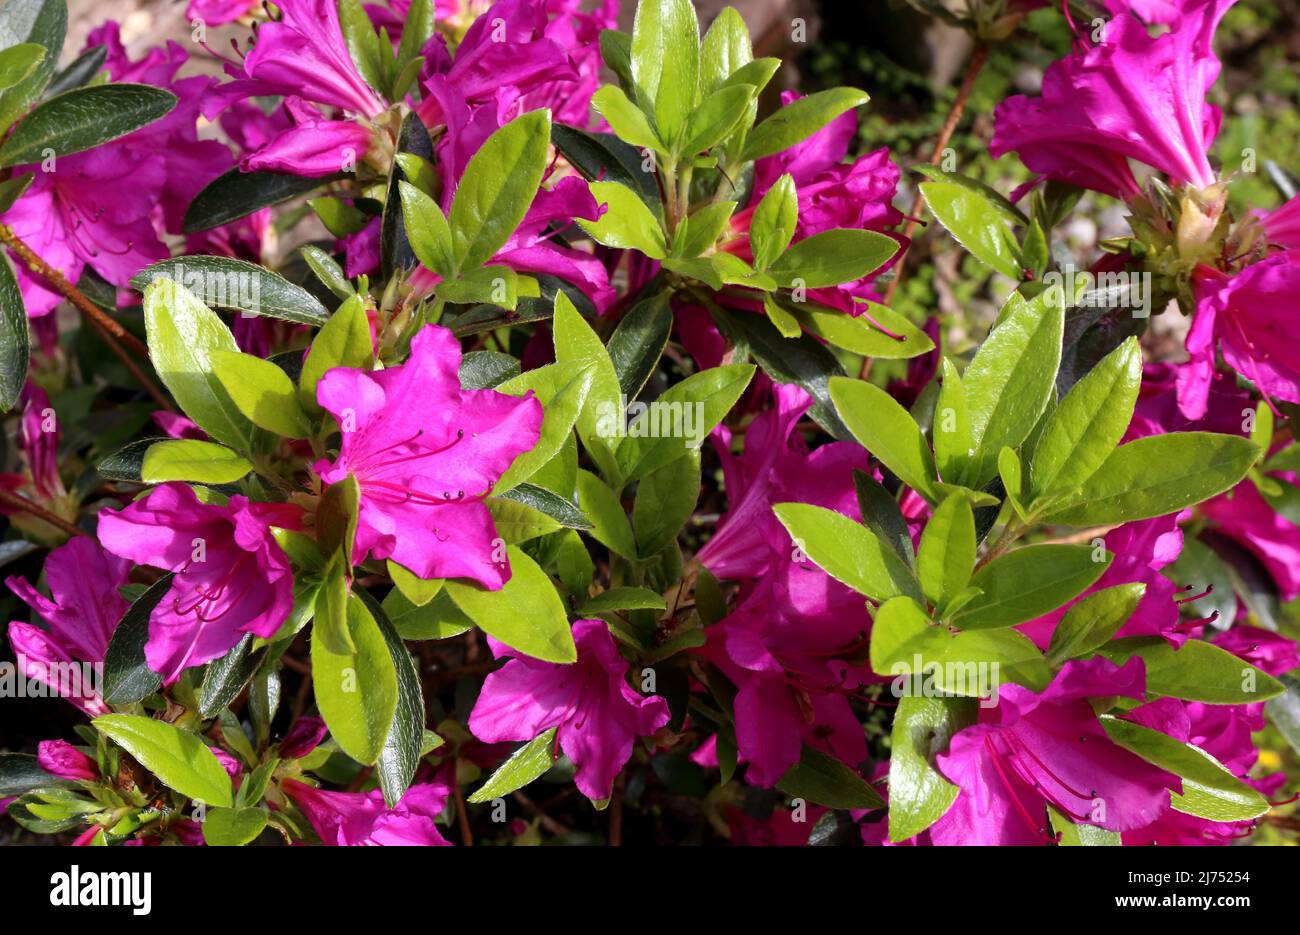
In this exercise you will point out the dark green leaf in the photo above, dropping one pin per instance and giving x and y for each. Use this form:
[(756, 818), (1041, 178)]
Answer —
[(20, 773), (237, 194), (127, 677), (1028, 583), (603, 157), (821, 778), (639, 341), (15, 341), (225, 282), (401, 753), (226, 677), (882, 515), (1193, 466), (395, 250), (83, 118)]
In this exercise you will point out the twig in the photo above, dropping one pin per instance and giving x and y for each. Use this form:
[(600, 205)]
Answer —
[(616, 814), (549, 823), (462, 813), (16, 502), (118, 339), (978, 57)]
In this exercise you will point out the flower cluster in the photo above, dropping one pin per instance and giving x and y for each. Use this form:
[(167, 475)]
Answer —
[(410, 535)]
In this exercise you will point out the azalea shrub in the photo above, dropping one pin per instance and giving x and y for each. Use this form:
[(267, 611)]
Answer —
[(465, 423)]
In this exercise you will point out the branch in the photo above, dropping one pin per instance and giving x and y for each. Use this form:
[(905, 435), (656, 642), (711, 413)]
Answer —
[(23, 505), (114, 335), (978, 57)]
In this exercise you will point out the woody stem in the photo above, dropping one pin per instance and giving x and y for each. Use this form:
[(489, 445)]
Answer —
[(16, 502), (978, 57), (118, 339)]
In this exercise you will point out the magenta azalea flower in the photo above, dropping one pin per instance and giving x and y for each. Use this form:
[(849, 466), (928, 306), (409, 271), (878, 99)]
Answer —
[(312, 145), (1033, 749), (80, 616), (598, 714), (217, 12), (1249, 316), (106, 207), (304, 736), (764, 474), (95, 211), (1282, 225), (354, 819), (517, 55), (1131, 96), (831, 194), (1264, 649), (189, 163), (426, 453), (303, 57), (304, 54), (1223, 731), (787, 646), (231, 576), (1242, 514), (62, 759), (1141, 550), (38, 433)]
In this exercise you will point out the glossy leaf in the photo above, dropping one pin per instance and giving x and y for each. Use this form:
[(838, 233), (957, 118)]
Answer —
[(821, 778), (918, 793), (1029, 582), (1094, 620), (947, 552), (356, 691), (82, 119), (262, 392), (226, 282), (799, 120), (497, 187), (886, 430), (1194, 466), (1012, 378), (832, 257), (189, 459), (526, 614), (1197, 671), (1210, 791), (184, 338), (526, 764), (847, 551), (627, 223), (15, 341), (1089, 422), (179, 759)]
